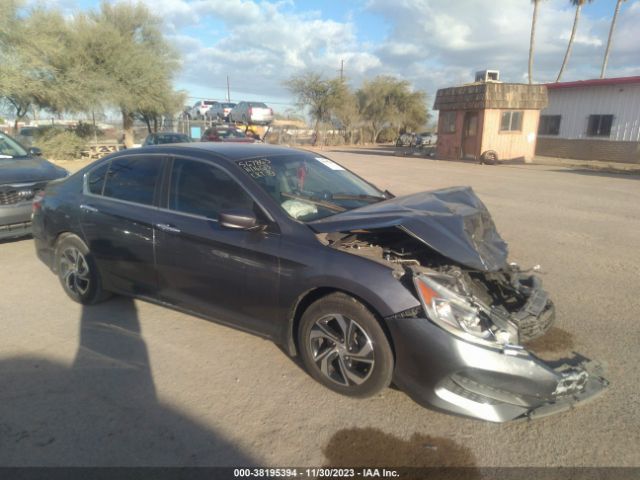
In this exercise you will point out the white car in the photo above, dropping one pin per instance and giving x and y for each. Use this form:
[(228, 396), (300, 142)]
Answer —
[(200, 109), (220, 111), (251, 113)]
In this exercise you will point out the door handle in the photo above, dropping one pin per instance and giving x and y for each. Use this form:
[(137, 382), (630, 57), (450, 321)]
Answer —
[(88, 208), (167, 228)]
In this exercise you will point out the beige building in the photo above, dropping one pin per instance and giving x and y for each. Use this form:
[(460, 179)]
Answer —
[(489, 120)]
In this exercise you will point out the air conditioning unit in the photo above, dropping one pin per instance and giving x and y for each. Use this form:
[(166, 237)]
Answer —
[(488, 76)]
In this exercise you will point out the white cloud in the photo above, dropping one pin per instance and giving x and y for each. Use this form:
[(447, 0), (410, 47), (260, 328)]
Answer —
[(431, 43)]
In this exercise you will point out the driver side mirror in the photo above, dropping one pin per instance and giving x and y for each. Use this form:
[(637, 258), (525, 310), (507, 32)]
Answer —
[(35, 151), (240, 220)]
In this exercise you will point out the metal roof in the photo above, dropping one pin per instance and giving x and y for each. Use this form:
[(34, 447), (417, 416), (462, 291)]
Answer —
[(596, 82)]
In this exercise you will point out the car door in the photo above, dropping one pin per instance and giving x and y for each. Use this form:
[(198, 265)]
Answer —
[(228, 274), (118, 214)]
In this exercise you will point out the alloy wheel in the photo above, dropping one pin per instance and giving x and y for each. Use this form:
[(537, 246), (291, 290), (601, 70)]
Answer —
[(74, 270), (341, 349)]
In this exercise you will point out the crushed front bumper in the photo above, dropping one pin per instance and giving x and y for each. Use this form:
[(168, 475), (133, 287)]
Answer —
[(442, 371)]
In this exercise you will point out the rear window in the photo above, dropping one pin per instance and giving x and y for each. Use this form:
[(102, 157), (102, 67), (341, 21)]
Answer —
[(209, 102), (257, 105), (132, 179)]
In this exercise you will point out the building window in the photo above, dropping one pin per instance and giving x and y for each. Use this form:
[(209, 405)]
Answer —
[(549, 125), (448, 122), (511, 121), (599, 125)]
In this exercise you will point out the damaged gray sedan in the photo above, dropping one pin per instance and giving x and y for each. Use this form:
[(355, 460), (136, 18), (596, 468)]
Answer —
[(367, 288)]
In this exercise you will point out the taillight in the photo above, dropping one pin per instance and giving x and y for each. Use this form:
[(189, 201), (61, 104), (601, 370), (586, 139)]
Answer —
[(36, 204), (271, 111), (250, 111)]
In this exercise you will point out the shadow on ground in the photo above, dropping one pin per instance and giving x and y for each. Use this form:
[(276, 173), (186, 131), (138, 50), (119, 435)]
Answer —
[(555, 340), (103, 411), (627, 174), (369, 447)]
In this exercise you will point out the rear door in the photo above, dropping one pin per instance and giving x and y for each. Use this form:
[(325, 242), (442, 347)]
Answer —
[(231, 275), (118, 214)]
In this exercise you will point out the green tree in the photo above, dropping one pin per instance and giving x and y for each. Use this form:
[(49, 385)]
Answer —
[(37, 71), (611, 30), (321, 96), (126, 57), (346, 113), (388, 102), (578, 4)]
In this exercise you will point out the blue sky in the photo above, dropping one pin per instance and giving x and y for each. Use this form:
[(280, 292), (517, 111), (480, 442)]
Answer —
[(431, 43)]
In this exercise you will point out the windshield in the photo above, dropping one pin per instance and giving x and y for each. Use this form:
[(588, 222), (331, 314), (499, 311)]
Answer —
[(309, 187), (9, 148)]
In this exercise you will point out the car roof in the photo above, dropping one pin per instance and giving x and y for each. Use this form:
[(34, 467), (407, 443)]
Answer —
[(225, 151)]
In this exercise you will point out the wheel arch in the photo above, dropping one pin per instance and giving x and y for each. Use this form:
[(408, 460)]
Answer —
[(314, 294)]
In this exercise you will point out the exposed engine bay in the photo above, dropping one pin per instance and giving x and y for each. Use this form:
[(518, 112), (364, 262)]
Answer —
[(510, 304)]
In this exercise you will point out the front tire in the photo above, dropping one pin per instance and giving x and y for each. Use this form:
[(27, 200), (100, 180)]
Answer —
[(78, 272), (343, 346)]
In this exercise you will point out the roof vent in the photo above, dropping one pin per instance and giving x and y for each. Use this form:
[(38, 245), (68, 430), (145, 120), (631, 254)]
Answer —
[(485, 76)]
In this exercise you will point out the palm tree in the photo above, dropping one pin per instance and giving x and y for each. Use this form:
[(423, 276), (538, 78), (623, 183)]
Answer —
[(613, 26), (578, 4), (534, 19)]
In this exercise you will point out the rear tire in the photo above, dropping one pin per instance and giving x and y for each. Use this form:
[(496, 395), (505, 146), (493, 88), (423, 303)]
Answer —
[(344, 347), (78, 272)]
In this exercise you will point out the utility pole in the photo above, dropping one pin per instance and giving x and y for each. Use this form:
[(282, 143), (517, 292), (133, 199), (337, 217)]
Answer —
[(228, 90), (341, 69)]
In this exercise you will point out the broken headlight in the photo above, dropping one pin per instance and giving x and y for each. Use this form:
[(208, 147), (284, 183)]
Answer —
[(457, 315)]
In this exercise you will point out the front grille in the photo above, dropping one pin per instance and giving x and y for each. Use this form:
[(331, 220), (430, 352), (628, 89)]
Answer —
[(9, 197), (12, 194)]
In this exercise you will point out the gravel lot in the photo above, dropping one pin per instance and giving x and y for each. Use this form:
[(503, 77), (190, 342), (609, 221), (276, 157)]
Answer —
[(130, 383)]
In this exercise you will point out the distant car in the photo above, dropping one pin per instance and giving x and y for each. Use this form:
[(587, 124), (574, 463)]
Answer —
[(427, 138), (251, 113), (166, 137), (200, 108), (26, 135), (22, 177), (221, 111), (223, 133), (406, 140)]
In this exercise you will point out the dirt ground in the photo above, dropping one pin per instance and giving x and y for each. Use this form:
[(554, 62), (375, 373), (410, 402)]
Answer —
[(130, 383)]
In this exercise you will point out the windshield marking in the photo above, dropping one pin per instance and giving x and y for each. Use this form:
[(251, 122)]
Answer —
[(329, 163), (258, 168)]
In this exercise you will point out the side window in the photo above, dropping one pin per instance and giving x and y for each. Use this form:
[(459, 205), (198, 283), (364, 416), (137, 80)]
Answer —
[(599, 125), (448, 122), (202, 189), (95, 179), (511, 121), (132, 179), (549, 125)]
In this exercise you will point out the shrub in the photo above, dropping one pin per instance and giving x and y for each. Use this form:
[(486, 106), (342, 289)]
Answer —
[(87, 130), (60, 144)]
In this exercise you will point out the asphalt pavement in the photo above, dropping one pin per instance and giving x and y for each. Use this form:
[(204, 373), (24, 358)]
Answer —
[(128, 383)]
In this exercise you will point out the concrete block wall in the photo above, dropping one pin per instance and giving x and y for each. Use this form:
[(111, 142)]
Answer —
[(589, 149)]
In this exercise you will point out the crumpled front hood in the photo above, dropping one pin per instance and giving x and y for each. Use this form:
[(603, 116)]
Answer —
[(453, 221), (28, 169)]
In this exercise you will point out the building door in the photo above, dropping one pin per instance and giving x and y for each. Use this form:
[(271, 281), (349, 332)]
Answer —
[(470, 135)]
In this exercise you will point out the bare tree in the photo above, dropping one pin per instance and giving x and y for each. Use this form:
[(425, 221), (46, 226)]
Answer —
[(534, 20), (611, 29), (578, 4)]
